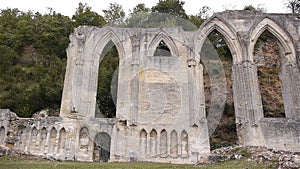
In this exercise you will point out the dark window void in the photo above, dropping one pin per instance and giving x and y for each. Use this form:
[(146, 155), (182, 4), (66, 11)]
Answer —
[(162, 49), (222, 131), (267, 56), (107, 82)]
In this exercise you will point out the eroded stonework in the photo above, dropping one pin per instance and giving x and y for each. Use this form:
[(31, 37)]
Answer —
[(161, 105)]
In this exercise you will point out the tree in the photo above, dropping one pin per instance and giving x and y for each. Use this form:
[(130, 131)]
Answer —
[(84, 16), (172, 7), (140, 8), (293, 5), (114, 15), (138, 16), (252, 8), (199, 18)]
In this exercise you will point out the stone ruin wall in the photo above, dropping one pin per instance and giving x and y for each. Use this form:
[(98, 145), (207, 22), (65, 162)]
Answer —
[(178, 134)]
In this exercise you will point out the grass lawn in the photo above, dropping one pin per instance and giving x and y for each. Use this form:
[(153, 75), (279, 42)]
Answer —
[(13, 163)]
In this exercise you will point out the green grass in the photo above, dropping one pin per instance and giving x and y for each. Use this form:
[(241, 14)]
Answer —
[(9, 163)]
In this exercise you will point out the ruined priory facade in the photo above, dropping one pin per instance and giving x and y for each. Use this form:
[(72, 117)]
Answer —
[(160, 105)]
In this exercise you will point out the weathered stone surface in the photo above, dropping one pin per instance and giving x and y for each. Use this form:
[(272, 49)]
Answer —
[(161, 105)]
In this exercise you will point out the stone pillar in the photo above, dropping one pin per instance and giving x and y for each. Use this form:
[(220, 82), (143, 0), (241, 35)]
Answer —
[(73, 76), (135, 79), (196, 93), (290, 78), (247, 103)]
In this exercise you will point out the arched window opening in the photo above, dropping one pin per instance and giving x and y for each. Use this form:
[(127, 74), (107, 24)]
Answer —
[(214, 51), (102, 143), (143, 143), (162, 49), (268, 57), (163, 147), (107, 82), (153, 143)]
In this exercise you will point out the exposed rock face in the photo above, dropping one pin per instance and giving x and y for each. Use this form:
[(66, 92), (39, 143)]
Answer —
[(160, 102)]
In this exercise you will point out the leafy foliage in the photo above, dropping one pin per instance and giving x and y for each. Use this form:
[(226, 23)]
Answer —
[(84, 16), (114, 15), (171, 7)]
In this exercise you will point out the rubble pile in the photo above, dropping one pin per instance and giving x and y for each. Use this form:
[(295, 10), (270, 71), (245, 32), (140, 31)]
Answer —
[(261, 155)]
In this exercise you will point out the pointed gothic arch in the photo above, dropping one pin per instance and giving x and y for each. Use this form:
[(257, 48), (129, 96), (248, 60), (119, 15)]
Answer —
[(84, 139), (227, 34), (52, 141), (143, 143), (184, 138), (101, 43), (92, 54), (62, 140), (43, 138), (153, 143), (33, 140), (163, 146), (162, 36), (281, 35)]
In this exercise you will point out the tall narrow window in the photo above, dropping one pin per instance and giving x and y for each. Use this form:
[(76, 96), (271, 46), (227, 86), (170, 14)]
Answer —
[(107, 82), (222, 127), (162, 49), (267, 56)]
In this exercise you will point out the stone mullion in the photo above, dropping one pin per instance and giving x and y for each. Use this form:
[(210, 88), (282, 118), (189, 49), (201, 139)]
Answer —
[(293, 81), (191, 98), (238, 93), (200, 84), (255, 105)]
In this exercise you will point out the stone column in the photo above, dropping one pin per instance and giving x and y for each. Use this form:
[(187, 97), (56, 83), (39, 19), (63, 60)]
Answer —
[(247, 103), (135, 80), (290, 78), (196, 93)]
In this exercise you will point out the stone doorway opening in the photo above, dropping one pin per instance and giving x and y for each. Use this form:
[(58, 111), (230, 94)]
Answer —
[(102, 143)]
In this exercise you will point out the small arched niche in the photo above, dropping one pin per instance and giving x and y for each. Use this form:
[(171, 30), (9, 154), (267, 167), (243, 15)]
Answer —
[(163, 147), (62, 140), (143, 143), (174, 144), (43, 139), (84, 139)]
